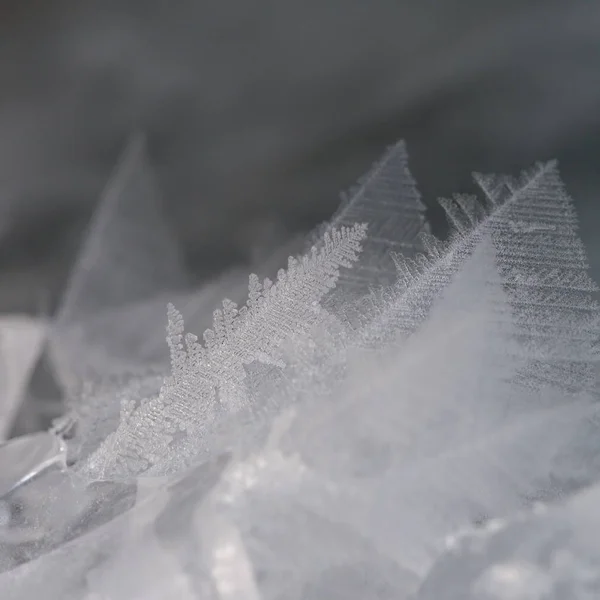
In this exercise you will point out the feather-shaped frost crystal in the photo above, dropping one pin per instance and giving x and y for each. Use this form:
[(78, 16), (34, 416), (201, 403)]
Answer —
[(388, 200), (544, 266), (274, 312)]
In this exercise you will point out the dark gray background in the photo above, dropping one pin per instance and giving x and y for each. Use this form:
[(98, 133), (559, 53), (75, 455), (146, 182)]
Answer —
[(260, 111)]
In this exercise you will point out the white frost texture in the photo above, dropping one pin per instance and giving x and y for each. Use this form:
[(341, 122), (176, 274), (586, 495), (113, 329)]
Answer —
[(392, 416)]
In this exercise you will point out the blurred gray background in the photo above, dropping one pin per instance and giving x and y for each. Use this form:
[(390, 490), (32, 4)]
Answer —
[(259, 112)]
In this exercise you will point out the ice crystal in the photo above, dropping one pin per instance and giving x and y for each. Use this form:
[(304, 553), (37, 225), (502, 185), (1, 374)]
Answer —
[(388, 200), (544, 272), (188, 400), (129, 253), (21, 342)]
